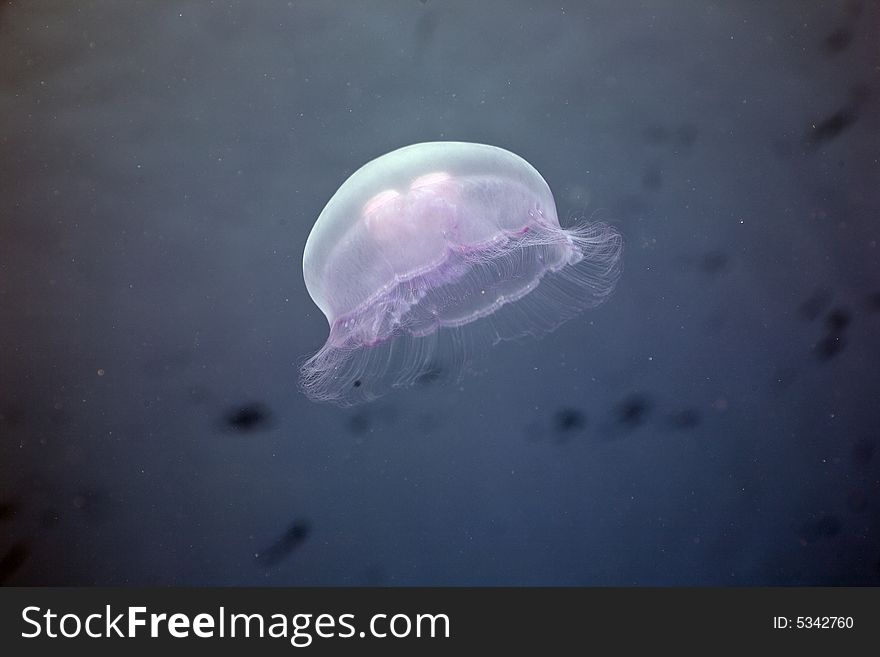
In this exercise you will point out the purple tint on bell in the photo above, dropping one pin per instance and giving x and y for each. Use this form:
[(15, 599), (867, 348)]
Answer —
[(431, 253)]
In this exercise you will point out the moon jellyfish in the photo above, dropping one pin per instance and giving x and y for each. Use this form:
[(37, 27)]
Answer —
[(429, 254)]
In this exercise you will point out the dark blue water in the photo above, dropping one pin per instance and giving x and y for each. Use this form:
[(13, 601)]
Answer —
[(716, 422)]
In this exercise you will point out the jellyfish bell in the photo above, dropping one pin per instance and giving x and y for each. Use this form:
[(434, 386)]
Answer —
[(430, 253)]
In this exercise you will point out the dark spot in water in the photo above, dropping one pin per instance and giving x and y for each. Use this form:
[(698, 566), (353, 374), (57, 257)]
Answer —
[(431, 374), (289, 541), (834, 341), (569, 420), (863, 451), (652, 179), (633, 411), (829, 347), (874, 301), (838, 40), (688, 418), (857, 501), (357, 383), (825, 526), (837, 320), (426, 26), (815, 304), (831, 127), (7, 510), (714, 262), (364, 420), (359, 422), (13, 560), (250, 417)]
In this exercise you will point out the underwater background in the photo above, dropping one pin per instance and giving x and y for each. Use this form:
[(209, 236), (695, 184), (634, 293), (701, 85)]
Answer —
[(716, 422)]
